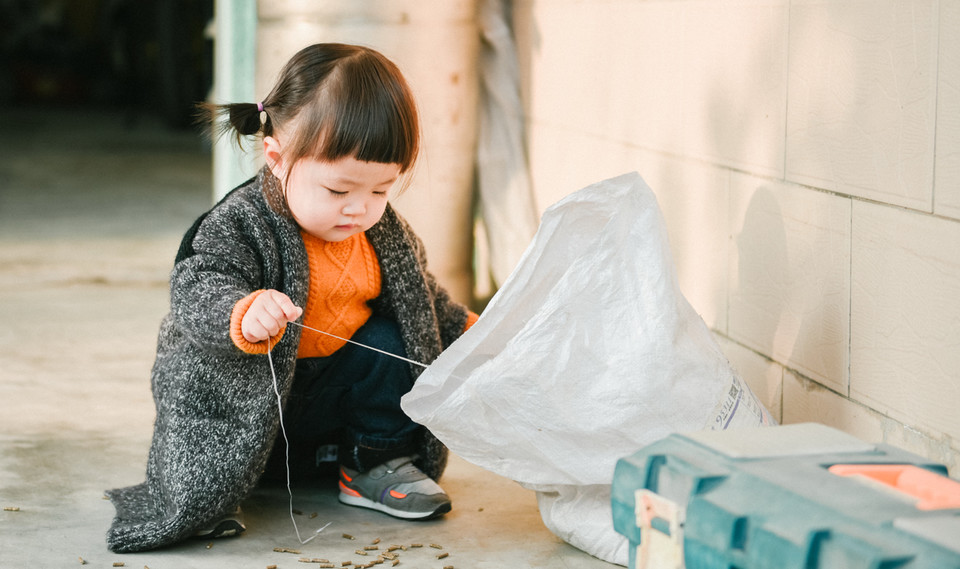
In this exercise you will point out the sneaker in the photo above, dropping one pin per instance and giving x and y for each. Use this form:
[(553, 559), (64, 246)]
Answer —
[(229, 525), (397, 488)]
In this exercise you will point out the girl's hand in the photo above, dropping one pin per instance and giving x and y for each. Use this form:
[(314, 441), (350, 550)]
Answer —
[(268, 313)]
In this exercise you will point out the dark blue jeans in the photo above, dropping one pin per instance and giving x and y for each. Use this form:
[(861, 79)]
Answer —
[(354, 396)]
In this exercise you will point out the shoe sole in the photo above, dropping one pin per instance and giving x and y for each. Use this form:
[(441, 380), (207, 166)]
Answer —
[(362, 502), (226, 528)]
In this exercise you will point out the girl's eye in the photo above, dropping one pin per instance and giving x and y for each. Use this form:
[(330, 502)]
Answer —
[(336, 193)]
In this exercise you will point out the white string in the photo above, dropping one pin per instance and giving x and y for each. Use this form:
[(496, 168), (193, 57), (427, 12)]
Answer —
[(283, 429), (286, 441), (414, 362)]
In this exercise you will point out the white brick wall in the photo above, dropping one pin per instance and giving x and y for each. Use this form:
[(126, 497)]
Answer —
[(946, 197), (806, 156), (905, 317), (862, 98)]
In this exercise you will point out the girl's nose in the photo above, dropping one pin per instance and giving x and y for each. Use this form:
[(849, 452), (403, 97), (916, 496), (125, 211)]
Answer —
[(353, 208)]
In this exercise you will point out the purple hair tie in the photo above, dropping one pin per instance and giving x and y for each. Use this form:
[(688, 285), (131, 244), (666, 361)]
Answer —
[(260, 107)]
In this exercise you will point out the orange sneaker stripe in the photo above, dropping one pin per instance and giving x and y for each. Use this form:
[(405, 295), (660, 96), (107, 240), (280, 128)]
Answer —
[(398, 495), (343, 473), (347, 490)]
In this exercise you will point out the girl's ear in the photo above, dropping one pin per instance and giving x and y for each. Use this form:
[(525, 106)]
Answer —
[(273, 156)]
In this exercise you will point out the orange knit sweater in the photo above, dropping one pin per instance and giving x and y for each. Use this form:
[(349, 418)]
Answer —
[(344, 276)]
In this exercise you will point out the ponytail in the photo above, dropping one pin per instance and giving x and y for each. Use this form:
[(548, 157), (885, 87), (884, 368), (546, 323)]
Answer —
[(241, 118)]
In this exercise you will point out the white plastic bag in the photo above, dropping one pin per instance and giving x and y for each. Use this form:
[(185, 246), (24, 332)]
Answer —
[(588, 352)]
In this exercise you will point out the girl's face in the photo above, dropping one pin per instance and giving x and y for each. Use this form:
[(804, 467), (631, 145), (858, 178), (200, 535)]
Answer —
[(335, 200)]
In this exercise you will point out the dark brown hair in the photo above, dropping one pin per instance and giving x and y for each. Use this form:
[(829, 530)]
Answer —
[(332, 101)]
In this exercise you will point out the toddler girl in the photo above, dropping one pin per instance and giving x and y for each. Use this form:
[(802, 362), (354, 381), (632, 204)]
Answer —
[(312, 238)]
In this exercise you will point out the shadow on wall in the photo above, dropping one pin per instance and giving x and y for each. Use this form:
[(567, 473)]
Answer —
[(746, 125), (765, 269)]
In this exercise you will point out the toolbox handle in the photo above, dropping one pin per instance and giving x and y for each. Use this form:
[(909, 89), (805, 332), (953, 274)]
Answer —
[(933, 491)]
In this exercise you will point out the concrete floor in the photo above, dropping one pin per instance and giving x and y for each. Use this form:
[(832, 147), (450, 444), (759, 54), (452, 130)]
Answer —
[(91, 212)]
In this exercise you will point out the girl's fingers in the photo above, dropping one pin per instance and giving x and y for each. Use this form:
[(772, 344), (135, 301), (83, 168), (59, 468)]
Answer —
[(268, 314), (272, 311), (261, 328), (270, 325), (254, 332), (282, 308), (293, 312)]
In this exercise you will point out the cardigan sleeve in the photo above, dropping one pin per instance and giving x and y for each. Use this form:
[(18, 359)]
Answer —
[(453, 318), (472, 318), (231, 250)]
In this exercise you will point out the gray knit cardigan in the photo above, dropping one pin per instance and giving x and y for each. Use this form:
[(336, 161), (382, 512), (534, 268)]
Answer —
[(216, 411)]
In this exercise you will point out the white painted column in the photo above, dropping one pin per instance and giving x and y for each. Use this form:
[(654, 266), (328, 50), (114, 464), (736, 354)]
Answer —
[(234, 56), (435, 43)]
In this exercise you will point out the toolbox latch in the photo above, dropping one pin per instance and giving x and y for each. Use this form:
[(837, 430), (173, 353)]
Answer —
[(661, 531), (930, 490)]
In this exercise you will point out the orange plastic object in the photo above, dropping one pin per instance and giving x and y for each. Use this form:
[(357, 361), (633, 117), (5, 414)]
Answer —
[(933, 491)]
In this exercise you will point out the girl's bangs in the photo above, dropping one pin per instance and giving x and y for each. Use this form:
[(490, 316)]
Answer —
[(371, 129)]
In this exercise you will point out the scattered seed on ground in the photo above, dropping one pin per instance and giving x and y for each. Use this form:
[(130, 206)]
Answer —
[(271, 567), (82, 560), (443, 555), (118, 564), (286, 550), (11, 508), (348, 536)]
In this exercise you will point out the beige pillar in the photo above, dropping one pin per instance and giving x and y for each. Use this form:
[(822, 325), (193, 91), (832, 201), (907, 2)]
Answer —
[(435, 43)]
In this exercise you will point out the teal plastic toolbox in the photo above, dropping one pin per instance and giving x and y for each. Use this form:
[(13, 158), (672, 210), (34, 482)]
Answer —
[(789, 497)]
